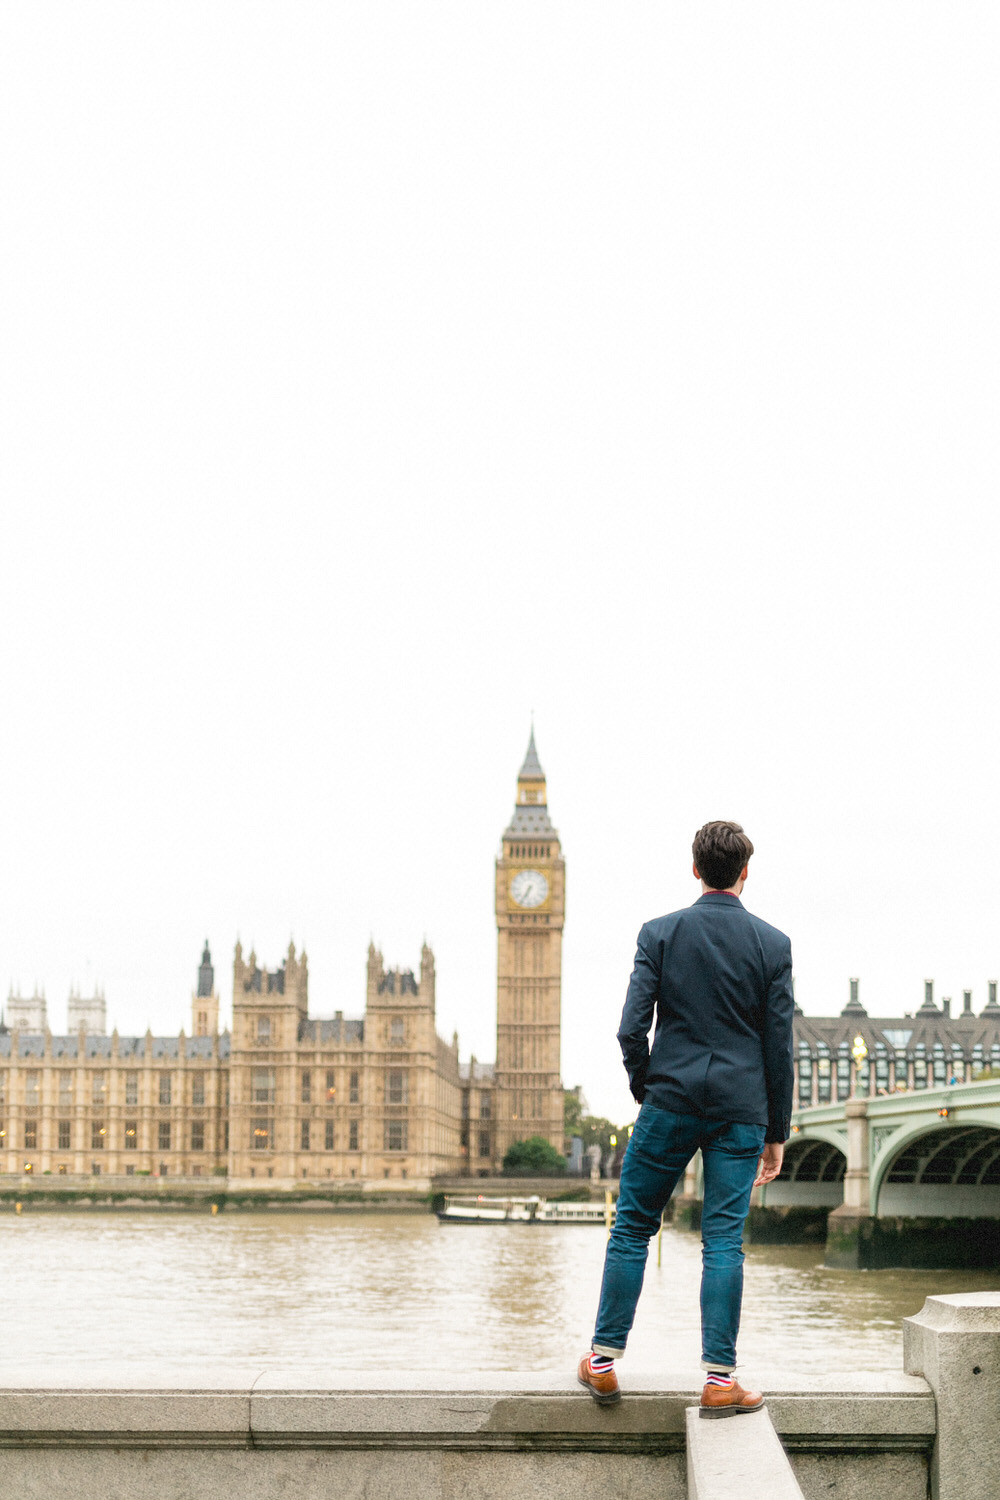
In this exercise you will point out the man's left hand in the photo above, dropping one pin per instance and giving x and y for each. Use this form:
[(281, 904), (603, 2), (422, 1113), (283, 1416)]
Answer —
[(770, 1163)]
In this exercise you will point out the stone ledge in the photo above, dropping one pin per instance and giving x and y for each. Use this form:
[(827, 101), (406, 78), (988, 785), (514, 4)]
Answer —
[(484, 1412)]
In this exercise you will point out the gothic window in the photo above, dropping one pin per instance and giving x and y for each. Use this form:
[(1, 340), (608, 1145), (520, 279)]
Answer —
[(331, 1086), (262, 1085), (353, 1093), (306, 1087), (919, 1067), (97, 1134), (352, 1135), (940, 1065), (131, 1135), (395, 1135), (843, 1072), (197, 1135), (131, 1088), (65, 1087), (805, 1075), (823, 1072), (198, 1087), (30, 1134), (31, 1089), (395, 1086), (396, 1031), (98, 1088), (260, 1135), (484, 1143), (166, 1087), (485, 1106), (263, 1028), (163, 1135), (328, 1136), (881, 1068), (303, 1135), (64, 1135)]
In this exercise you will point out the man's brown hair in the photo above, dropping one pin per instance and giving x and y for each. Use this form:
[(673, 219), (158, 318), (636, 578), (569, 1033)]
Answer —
[(720, 851)]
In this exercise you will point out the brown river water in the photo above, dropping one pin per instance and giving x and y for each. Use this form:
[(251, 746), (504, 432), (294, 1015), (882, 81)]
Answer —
[(390, 1292)]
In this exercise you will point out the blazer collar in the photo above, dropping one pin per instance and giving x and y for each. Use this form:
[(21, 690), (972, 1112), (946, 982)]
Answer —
[(719, 898)]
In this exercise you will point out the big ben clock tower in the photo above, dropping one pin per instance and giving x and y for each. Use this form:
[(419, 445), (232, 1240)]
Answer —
[(530, 905)]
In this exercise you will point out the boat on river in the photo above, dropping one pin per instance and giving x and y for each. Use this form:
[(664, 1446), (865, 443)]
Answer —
[(481, 1209)]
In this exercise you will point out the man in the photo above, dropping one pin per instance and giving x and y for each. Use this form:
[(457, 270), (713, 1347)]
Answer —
[(718, 1078)]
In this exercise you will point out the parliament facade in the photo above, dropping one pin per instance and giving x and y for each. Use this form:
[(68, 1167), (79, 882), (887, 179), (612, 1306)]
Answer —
[(287, 1096)]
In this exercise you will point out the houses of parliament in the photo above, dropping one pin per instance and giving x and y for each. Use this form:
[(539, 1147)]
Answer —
[(293, 1097)]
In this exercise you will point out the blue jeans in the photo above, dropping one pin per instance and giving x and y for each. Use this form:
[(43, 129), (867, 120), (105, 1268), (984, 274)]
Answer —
[(662, 1144)]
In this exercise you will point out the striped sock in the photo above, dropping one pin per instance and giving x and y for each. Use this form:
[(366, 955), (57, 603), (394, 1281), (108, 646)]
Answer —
[(600, 1364), (719, 1378)]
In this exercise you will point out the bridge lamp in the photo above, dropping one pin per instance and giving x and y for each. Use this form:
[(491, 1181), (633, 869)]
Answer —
[(944, 1113), (859, 1052)]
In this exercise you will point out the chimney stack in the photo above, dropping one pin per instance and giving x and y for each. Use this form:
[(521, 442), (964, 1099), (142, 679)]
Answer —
[(967, 1002), (946, 1005), (928, 992)]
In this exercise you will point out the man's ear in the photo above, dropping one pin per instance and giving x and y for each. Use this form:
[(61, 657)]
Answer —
[(696, 872), (744, 873)]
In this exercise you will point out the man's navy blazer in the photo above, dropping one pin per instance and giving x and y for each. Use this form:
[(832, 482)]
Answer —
[(719, 981)]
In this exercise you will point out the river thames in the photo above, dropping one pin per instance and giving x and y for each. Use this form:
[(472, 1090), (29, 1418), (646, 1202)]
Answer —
[(383, 1292)]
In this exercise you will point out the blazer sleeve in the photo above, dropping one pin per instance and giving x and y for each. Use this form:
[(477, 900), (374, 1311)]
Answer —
[(637, 1016), (779, 1066)]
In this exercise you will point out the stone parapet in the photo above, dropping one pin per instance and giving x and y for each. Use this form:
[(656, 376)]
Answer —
[(312, 1433)]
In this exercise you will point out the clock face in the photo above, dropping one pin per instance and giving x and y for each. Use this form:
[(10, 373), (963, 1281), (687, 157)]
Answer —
[(529, 888)]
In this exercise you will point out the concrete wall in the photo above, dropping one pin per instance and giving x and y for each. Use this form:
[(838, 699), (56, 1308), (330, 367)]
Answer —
[(940, 1199), (170, 1436)]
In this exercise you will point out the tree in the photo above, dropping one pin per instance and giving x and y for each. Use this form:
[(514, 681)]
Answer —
[(534, 1157)]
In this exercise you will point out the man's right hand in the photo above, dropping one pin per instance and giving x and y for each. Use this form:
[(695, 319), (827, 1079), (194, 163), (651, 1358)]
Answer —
[(770, 1163)]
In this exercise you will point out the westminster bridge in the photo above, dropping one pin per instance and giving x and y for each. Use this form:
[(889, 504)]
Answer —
[(901, 1173)]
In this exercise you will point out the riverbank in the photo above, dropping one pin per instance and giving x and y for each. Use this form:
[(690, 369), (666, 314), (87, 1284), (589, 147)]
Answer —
[(216, 1195)]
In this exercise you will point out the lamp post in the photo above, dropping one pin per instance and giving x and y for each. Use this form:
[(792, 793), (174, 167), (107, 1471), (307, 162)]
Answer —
[(859, 1052)]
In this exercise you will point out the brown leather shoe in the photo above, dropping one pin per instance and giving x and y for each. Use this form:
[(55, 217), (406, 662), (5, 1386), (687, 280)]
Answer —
[(603, 1388), (716, 1401)]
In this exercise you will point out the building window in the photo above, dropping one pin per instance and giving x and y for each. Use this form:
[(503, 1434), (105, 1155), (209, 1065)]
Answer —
[(352, 1135), (805, 1075), (307, 1087), (65, 1088), (823, 1074), (395, 1135), (202, 1029), (843, 1072), (303, 1135), (163, 1135), (485, 1107), (331, 1086), (31, 1089), (131, 1135), (263, 1028), (131, 1088), (98, 1088), (225, 1135), (353, 1092), (64, 1135), (484, 1143), (919, 1067), (260, 1135), (97, 1134), (881, 1068), (197, 1135), (262, 1085), (395, 1086), (30, 1134), (397, 1031), (166, 1087), (328, 1139), (198, 1087)]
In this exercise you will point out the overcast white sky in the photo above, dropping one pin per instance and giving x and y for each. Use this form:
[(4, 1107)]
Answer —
[(373, 374)]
